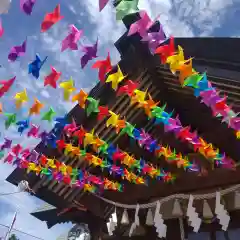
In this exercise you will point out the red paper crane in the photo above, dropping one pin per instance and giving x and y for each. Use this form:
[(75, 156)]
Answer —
[(128, 89), (104, 67), (80, 134), (51, 18), (61, 144), (166, 50), (52, 78), (185, 134), (103, 112), (6, 85)]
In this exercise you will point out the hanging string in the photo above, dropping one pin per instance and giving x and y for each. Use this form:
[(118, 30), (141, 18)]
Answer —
[(172, 197), (182, 231)]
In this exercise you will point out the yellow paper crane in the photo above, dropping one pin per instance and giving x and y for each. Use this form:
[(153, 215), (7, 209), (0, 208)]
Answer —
[(139, 97), (113, 120), (115, 78), (89, 139), (21, 97), (68, 88), (175, 60)]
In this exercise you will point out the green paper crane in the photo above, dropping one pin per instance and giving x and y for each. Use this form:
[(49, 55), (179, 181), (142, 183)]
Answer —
[(103, 148), (11, 119), (92, 106), (126, 7), (157, 111), (74, 174), (49, 115), (105, 164), (83, 153), (45, 171), (193, 80), (128, 129)]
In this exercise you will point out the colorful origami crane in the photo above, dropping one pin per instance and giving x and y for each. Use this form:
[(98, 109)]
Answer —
[(104, 67), (11, 119), (126, 7), (17, 52), (72, 38), (166, 50), (51, 18), (21, 97), (52, 78), (68, 88), (34, 130), (48, 116), (116, 78), (22, 125), (92, 106), (90, 53), (142, 25), (81, 98), (36, 107), (6, 85), (27, 6), (35, 66), (7, 144)]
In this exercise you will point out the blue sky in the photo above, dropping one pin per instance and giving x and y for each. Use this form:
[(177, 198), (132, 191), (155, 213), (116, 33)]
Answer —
[(180, 18)]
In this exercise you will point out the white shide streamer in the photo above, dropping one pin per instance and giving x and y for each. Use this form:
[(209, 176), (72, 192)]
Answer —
[(221, 213), (194, 220)]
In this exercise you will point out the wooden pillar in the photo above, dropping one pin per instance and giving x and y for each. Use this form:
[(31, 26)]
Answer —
[(213, 235), (226, 235), (173, 230)]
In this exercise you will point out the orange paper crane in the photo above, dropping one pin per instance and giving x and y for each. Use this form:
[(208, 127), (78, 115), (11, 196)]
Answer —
[(186, 70), (81, 98), (148, 105), (36, 107)]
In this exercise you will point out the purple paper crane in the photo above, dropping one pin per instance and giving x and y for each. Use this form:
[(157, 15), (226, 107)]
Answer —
[(142, 25), (33, 157), (71, 40), (145, 138), (154, 39), (17, 51), (90, 53), (210, 97), (7, 144), (44, 137), (27, 6), (173, 125)]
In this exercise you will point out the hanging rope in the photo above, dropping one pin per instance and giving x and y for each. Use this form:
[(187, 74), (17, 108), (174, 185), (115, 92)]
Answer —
[(172, 197), (182, 232)]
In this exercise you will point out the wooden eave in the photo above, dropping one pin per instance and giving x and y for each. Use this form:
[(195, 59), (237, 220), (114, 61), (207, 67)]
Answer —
[(163, 86)]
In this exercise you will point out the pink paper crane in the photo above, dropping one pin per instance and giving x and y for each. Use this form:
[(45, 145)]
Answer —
[(71, 40), (142, 25)]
